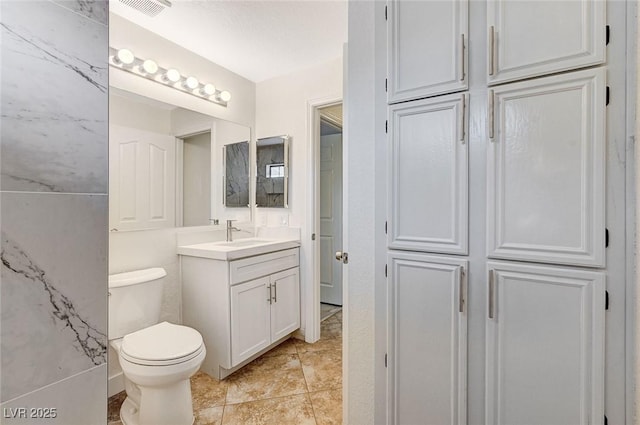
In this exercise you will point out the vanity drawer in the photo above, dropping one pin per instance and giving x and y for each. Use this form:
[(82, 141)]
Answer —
[(262, 265)]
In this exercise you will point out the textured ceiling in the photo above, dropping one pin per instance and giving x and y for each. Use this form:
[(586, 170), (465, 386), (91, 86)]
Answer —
[(258, 40)]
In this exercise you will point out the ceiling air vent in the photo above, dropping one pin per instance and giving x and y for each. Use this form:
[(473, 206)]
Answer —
[(148, 7)]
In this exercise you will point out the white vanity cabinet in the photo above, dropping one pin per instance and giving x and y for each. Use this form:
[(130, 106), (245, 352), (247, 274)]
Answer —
[(532, 38), (242, 307)]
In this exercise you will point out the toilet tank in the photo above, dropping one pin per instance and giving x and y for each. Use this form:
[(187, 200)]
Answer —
[(135, 299)]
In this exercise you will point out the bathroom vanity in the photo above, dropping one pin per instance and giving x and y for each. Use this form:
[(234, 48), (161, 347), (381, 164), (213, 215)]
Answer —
[(242, 296)]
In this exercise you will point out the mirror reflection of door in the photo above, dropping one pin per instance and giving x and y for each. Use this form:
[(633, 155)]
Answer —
[(196, 179), (330, 212)]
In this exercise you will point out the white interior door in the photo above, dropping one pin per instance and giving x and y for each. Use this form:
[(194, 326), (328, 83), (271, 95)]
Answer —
[(142, 179), (545, 345), (330, 218)]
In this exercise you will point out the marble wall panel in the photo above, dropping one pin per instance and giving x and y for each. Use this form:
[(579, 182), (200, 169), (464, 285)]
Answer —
[(54, 97), (53, 304), (71, 398), (269, 190)]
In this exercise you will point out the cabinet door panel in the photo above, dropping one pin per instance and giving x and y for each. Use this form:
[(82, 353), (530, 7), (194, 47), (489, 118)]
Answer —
[(532, 38), (428, 339), (546, 170), (428, 176), (285, 310), (426, 48), (250, 311), (545, 343)]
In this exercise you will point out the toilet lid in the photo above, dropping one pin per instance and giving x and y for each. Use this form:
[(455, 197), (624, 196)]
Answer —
[(161, 342)]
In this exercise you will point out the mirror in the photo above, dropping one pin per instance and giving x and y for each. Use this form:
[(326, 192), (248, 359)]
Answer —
[(166, 165), (236, 177), (272, 175)]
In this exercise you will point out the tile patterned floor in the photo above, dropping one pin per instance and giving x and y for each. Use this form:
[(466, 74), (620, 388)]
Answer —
[(295, 383)]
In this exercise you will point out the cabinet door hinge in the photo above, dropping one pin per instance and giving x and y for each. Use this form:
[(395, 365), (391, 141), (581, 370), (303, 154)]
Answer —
[(386, 123), (606, 238), (385, 359), (607, 96), (385, 270), (606, 300), (386, 17), (608, 35)]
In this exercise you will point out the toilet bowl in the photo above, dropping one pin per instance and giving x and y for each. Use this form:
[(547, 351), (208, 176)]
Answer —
[(157, 362), (157, 359)]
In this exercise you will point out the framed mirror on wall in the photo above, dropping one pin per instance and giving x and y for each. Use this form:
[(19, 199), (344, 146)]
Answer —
[(236, 177), (272, 172)]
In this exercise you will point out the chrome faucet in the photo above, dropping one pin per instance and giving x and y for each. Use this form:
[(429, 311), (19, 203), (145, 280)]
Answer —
[(230, 229)]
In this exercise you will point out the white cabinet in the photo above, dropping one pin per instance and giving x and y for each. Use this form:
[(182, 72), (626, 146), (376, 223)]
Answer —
[(532, 38), (241, 307), (546, 170), (428, 164), (142, 177), (263, 311), (545, 345), (421, 34), (427, 333)]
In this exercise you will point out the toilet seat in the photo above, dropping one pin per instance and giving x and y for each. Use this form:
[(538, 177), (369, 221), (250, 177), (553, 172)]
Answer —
[(162, 344)]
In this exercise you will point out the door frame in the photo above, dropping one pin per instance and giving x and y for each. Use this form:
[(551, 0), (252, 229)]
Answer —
[(312, 298)]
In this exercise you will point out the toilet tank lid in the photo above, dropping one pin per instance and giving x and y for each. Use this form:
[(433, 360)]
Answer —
[(135, 277)]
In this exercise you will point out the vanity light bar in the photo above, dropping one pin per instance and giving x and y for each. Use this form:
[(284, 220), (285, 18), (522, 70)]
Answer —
[(124, 59)]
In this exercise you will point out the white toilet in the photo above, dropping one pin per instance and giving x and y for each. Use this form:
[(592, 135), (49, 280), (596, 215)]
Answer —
[(157, 359)]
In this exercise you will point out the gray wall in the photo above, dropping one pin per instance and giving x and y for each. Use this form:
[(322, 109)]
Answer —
[(54, 209)]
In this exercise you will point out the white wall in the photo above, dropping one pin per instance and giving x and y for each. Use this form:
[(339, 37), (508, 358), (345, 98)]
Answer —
[(282, 108), (360, 147)]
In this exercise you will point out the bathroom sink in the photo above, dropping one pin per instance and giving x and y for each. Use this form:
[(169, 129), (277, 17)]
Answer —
[(239, 248), (245, 242)]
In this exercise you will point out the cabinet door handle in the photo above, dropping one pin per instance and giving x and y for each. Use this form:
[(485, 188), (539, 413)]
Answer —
[(462, 119), (492, 40), (461, 291), (491, 115), (491, 293), (462, 58), (269, 289), (275, 292)]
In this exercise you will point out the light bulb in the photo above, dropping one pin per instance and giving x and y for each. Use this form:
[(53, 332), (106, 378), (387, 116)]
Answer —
[(208, 90), (124, 56), (191, 83), (149, 66), (225, 96), (172, 75)]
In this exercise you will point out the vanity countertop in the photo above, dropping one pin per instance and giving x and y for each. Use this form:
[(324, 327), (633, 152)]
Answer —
[(240, 248)]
